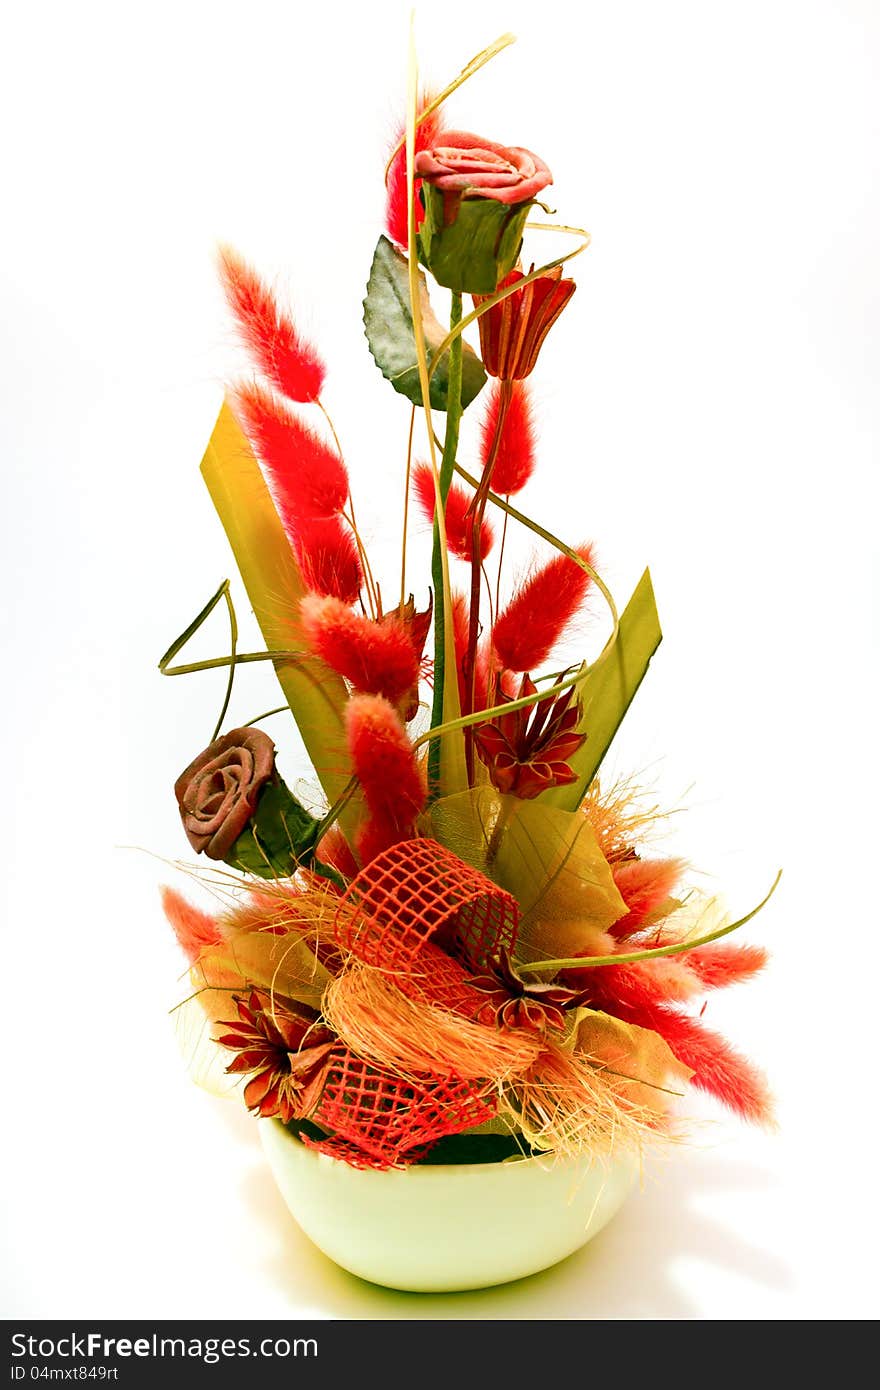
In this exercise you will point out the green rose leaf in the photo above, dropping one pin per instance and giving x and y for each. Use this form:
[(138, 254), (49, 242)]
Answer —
[(389, 328), (280, 838)]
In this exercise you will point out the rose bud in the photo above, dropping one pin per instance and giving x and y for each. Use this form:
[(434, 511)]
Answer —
[(477, 196), (218, 793)]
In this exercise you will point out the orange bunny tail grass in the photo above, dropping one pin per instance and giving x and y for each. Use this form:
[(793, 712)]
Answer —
[(386, 766), (722, 964), (718, 1068), (195, 930), (646, 887), (459, 525), (567, 1105), (413, 1039), (307, 477), (396, 210), (328, 558), (376, 658), (290, 363), (540, 611), (515, 455)]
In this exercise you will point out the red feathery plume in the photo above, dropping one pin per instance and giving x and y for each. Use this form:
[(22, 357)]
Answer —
[(333, 849), (460, 637), (396, 212), (539, 612), (632, 995), (645, 886), (287, 360), (388, 770), (376, 658), (195, 930), (515, 453), (721, 964), (459, 526), (308, 478), (328, 557)]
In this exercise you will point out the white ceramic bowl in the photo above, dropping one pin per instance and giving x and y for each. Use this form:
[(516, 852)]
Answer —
[(440, 1228)]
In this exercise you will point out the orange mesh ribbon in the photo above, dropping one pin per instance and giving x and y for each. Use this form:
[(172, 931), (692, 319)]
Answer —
[(378, 1120), (411, 912), (416, 892)]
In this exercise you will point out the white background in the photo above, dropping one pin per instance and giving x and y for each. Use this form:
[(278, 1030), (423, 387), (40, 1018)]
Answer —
[(709, 405)]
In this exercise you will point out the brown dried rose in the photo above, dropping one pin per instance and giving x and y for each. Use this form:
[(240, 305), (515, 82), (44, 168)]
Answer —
[(218, 793)]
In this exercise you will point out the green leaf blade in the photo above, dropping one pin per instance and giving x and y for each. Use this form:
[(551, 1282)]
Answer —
[(389, 330), (607, 691)]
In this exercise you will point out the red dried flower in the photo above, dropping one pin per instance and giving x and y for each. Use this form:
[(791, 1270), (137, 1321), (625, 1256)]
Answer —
[(519, 1002), (512, 331), (526, 751), (285, 1048)]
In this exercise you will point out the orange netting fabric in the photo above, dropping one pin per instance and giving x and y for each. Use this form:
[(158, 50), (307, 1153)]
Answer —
[(378, 1120), (416, 892)]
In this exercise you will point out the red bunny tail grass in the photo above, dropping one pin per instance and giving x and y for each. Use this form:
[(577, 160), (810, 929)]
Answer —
[(646, 886), (459, 529), (722, 964), (629, 992), (333, 850), (389, 773), (460, 636), (515, 456), (540, 611), (328, 557), (376, 658), (308, 478), (396, 211), (195, 930), (282, 355), (718, 1068)]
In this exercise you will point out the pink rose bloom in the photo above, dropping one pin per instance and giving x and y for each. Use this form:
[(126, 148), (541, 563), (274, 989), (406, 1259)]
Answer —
[(468, 165)]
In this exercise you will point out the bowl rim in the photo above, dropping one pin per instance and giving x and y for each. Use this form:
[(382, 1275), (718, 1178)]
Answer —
[(547, 1160)]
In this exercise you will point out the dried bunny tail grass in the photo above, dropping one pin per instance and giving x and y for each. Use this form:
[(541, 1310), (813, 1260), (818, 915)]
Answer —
[(414, 1039), (458, 517), (375, 658), (646, 886), (195, 930), (571, 1106), (268, 331), (542, 608)]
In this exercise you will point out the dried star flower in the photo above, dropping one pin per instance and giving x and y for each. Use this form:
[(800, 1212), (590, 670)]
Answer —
[(519, 1002), (513, 330), (285, 1048), (526, 751)]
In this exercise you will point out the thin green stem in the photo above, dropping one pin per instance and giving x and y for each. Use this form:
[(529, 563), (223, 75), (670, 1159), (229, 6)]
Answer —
[(447, 467), (677, 949), (279, 709), (481, 716)]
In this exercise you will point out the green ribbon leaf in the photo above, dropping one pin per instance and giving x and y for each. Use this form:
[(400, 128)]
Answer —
[(280, 838), (607, 691), (389, 328)]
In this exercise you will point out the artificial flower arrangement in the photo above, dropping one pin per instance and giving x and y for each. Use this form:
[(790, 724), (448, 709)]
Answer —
[(468, 953)]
